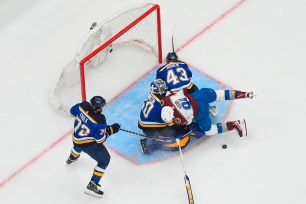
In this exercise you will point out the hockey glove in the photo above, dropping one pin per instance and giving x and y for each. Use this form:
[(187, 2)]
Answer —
[(112, 129), (193, 88)]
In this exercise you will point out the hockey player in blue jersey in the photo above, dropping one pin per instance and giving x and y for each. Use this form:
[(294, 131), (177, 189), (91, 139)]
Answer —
[(162, 134), (176, 74), (150, 110), (90, 132)]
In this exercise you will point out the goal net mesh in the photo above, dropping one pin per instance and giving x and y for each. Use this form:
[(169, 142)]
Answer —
[(135, 25)]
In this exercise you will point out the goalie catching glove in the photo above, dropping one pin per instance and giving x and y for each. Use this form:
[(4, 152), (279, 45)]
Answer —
[(112, 129)]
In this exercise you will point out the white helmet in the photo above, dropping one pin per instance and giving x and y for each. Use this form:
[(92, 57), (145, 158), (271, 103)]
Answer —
[(167, 114)]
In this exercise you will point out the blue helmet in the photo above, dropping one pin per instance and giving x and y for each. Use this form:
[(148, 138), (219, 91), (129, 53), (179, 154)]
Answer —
[(171, 57), (97, 102), (158, 86)]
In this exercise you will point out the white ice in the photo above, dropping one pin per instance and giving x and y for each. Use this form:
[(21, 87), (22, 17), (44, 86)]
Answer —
[(260, 46)]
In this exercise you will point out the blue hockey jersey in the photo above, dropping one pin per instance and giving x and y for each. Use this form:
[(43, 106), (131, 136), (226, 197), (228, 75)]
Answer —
[(150, 114), (88, 126), (177, 75)]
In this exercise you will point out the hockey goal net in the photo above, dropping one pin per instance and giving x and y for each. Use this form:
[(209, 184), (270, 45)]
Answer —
[(137, 25)]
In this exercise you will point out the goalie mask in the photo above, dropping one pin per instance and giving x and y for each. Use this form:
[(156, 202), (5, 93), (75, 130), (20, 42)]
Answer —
[(167, 114), (97, 102), (158, 86)]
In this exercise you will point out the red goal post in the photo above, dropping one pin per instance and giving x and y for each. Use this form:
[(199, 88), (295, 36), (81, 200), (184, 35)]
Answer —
[(138, 25)]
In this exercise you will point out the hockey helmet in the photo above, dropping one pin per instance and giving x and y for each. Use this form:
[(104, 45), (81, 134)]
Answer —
[(171, 57), (97, 102), (167, 114), (158, 86)]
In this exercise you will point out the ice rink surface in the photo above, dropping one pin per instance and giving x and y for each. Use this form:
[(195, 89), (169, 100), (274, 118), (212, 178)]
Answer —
[(252, 45)]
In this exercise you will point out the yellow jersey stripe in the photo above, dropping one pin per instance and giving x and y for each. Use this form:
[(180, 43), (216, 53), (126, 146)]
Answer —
[(85, 113), (155, 125), (155, 97), (83, 141), (166, 65), (102, 140)]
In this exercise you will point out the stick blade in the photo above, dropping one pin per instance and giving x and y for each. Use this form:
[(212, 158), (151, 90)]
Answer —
[(244, 127), (189, 190)]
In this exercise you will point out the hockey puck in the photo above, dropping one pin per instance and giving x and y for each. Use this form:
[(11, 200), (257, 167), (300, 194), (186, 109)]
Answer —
[(224, 146)]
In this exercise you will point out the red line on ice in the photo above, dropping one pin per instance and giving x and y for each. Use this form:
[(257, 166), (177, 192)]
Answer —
[(29, 163)]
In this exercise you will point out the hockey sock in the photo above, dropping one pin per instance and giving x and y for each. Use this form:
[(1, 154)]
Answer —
[(74, 155), (97, 174)]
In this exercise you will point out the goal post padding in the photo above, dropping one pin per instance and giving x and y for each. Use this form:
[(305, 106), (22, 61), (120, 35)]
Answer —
[(138, 25)]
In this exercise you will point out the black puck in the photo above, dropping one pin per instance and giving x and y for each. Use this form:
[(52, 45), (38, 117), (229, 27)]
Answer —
[(224, 146)]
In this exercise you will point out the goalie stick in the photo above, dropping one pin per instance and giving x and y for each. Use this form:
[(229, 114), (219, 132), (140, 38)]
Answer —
[(186, 178)]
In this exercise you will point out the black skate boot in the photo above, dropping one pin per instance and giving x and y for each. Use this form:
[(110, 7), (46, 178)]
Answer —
[(71, 159), (93, 190), (240, 126)]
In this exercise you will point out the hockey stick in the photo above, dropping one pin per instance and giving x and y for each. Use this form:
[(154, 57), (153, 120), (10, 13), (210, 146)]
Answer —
[(135, 133), (186, 178), (172, 38), (143, 135)]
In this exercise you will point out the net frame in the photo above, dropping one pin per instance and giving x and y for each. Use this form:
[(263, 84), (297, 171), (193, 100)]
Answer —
[(85, 56)]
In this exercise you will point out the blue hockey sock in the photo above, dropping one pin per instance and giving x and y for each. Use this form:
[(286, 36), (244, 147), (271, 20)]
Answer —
[(95, 179), (227, 95), (219, 126)]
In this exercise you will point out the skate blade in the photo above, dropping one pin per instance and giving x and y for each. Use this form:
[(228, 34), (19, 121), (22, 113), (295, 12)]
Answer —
[(93, 194), (251, 95), (244, 127)]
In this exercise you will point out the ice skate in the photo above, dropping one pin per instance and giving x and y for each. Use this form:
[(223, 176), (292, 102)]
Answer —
[(241, 94), (71, 160), (250, 95), (93, 190), (239, 125)]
